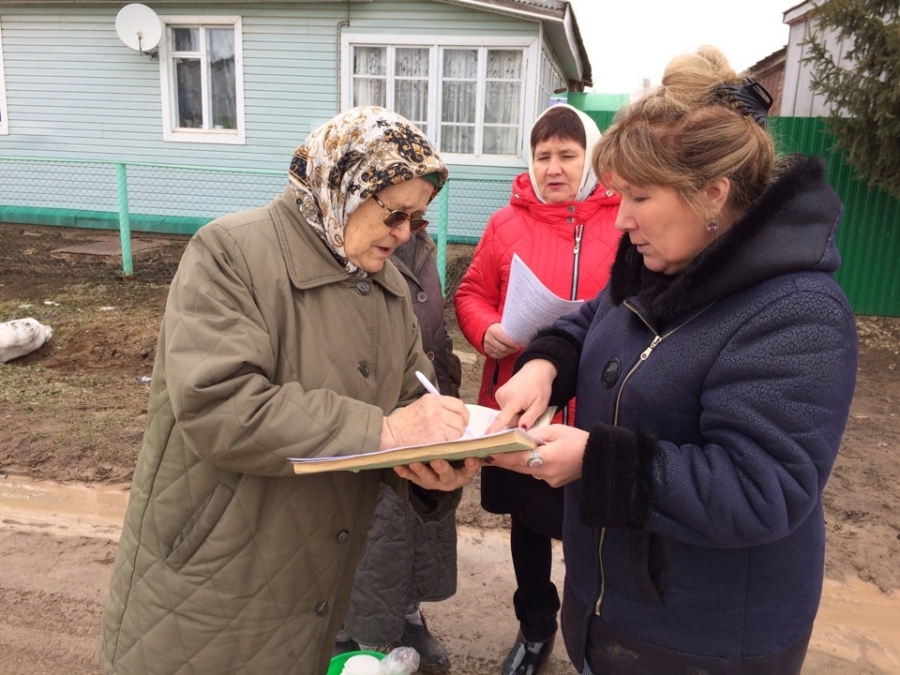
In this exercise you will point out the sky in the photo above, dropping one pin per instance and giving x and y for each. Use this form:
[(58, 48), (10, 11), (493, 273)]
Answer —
[(628, 41)]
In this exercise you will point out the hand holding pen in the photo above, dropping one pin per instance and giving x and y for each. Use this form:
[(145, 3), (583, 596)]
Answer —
[(431, 389)]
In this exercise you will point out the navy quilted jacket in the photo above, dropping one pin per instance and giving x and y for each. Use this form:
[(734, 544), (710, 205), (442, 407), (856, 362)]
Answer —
[(715, 401)]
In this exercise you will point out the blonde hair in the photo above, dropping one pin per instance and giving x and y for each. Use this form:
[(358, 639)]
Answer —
[(684, 135)]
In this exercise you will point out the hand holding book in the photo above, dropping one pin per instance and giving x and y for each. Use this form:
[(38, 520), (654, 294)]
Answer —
[(479, 444)]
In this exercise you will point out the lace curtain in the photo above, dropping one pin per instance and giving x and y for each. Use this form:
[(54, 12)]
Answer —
[(411, 85), (459, 98), (502, 101), (501, 91), (370, 76)]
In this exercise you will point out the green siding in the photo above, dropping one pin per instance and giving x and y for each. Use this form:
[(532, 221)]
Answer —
[(869, 235)]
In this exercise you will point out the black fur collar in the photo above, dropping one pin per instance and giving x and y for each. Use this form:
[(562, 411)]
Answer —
[(789, 228)]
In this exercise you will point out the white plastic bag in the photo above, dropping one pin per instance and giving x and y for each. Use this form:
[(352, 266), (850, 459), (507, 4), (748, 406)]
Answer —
[(21, 337), (401, 661)]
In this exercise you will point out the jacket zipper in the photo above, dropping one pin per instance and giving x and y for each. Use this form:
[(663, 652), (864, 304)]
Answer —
[(579, 231), (573, 294), (657, 338)]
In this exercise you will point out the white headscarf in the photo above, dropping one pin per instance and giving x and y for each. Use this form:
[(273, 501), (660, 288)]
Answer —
[(592, 137)]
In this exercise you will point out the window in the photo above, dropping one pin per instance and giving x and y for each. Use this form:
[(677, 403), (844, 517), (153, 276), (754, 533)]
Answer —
[(4, 124), (550, 82), (202, 80), (470, 100)]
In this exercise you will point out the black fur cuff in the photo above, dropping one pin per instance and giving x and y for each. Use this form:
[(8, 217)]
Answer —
[(616, 473), (560, 349)]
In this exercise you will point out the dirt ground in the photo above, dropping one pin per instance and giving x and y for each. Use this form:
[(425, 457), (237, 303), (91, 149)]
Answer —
[(73, 412)]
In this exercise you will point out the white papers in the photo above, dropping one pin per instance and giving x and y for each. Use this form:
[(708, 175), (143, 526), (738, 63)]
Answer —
[(530, 306), (480, 418)]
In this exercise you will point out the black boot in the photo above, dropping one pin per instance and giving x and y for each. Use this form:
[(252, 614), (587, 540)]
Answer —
[(432, 657), (526, 657)]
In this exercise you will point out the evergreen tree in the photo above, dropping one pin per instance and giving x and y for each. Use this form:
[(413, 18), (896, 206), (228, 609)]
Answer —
[(862, 87)]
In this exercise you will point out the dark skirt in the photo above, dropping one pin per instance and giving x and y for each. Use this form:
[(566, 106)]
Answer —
[(531, 502)]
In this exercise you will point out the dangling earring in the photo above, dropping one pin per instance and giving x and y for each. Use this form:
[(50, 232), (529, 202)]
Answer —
[(712, 226)]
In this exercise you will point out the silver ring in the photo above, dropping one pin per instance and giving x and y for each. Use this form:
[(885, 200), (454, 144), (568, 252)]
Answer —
[(535, 461)]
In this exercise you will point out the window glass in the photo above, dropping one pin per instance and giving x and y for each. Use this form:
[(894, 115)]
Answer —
[(469, 100), (186, 39), (204, 77), (370, 76), (459, 100), (223, 93), (188, 85), (411, 71), (502, 101)]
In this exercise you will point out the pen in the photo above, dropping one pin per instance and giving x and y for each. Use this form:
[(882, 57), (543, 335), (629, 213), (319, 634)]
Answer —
[(427, 383), (433, 390)]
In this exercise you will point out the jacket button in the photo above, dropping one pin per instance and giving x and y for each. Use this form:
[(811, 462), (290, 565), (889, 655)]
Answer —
[(321, 609), (611, 374), (362, 288), (570, 219), (430, 355), (341, 536), (571, 208), (422, 296), (364, 369)]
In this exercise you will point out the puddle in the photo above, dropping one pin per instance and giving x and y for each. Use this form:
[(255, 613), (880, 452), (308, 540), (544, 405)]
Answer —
[(856, 621), (62, 509), (859, 623)]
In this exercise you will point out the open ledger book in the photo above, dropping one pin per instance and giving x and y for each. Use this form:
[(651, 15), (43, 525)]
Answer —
[(474, 443)]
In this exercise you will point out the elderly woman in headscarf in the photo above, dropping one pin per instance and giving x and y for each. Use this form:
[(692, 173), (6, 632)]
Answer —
[(287, 333)]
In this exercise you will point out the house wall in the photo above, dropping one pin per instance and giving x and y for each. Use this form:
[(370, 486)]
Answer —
[(798, 98), (75, 91), (773, 81)]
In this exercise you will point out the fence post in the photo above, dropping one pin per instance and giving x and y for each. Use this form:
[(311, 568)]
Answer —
[(444, 204), (124, 223)]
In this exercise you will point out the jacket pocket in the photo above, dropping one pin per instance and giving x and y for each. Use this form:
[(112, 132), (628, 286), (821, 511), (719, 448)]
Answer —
[(648, 565), (198, 526)]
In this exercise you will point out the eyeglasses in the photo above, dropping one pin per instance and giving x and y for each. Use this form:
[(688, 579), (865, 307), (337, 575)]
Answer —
[(396, 218)]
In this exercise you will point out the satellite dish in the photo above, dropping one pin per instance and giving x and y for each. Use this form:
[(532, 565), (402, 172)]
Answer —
[(139, 27)]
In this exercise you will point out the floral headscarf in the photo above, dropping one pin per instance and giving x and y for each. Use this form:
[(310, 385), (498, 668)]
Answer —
[(588, 179), (351, 157)]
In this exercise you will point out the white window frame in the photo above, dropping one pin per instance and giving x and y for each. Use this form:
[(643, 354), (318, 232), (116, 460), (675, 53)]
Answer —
[(548, 70), (4, 114), (171, 132), (436, 44)]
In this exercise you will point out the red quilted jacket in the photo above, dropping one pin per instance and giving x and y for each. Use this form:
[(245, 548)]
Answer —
[(546, 237)]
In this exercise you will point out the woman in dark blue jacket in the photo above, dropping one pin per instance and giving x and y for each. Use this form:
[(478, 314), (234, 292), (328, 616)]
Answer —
[(714, 377)]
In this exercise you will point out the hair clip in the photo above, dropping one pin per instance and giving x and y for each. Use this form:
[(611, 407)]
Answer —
[(750, 97)]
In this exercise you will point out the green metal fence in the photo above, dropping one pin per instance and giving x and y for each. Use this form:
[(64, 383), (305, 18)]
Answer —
[(869, 235), (156, 199), (153, 204)]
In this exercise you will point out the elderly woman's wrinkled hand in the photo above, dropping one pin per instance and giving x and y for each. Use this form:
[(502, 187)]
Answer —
[(439, 474), (430, 419)]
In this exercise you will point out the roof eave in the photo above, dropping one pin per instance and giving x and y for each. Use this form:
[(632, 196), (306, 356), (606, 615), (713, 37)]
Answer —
[(560, 27)]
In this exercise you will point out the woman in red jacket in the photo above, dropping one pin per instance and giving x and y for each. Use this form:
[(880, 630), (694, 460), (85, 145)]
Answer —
[(561, 223)]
